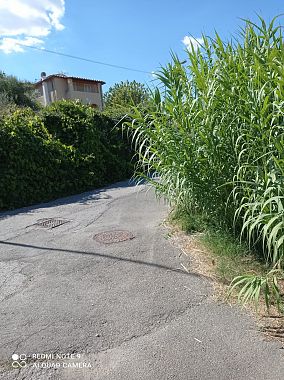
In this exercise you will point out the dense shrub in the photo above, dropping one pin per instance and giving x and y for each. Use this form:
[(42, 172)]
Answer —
[(120, 98), (72, 124), (16, 92), (67, 148)]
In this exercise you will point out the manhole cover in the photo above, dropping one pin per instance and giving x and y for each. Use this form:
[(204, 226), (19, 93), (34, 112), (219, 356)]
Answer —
[(109, 237), (50, 222)]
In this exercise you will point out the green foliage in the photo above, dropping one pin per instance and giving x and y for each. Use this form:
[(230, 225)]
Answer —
[(230, 256), (73, 124), (68, 148), (253, 287), (16, 92), (215, 134), (120, 98), (233, 258), (190, 222), (6, 106)]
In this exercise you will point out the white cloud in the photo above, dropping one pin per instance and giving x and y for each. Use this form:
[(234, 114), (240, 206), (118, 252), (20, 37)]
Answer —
[(10, 45), (191, 42), (23, 21)]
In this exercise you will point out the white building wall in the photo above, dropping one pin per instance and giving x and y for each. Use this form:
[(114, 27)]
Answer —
[(63, 88), (87, 98)]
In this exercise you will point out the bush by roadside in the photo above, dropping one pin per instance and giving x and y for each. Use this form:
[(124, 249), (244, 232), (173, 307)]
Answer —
[(64, 149)]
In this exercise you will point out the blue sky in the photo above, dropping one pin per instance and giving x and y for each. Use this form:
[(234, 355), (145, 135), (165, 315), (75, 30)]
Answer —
[(138, 34)]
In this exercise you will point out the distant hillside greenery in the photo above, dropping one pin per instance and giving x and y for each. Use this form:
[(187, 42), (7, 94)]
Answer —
[(63, 149), (16, 93), (122, 97)]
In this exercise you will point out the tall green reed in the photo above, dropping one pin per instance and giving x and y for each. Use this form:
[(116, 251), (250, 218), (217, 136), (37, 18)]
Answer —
[(214, 132)]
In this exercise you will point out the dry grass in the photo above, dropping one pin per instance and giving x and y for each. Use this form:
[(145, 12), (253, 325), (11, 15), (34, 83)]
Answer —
[(199, 258)]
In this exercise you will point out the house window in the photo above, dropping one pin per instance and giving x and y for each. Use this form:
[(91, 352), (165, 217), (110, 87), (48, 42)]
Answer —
[(78, 86), (85, 87), (92, 87)]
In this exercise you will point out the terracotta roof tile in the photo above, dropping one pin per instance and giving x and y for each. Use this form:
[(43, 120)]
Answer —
[(69, 77)]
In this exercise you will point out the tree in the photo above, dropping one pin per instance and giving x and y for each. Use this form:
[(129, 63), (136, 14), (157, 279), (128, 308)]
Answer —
[(14, 92), (124, 95)]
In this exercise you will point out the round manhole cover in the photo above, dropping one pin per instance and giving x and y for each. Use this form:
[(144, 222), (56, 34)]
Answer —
[(109, 237)]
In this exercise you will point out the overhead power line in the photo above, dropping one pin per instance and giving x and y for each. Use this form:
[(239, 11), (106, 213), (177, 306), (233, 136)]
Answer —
[(84, 59)]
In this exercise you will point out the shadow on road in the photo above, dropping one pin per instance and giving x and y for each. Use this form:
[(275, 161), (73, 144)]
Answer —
[(82, 198), (103, 256)]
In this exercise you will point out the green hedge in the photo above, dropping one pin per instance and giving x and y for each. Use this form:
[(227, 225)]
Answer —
[(65, 149)]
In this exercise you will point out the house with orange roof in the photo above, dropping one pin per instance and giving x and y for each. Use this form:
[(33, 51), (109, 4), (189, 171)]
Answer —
[(60, 86)]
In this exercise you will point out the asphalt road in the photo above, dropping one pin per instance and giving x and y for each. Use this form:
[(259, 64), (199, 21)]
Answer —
[(125, 310)]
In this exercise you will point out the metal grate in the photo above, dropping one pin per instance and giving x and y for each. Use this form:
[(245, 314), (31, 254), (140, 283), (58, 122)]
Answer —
[(51, 222), (109, 237)]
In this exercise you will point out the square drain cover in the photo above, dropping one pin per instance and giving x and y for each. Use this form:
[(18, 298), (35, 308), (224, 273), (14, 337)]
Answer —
[(51, 222)]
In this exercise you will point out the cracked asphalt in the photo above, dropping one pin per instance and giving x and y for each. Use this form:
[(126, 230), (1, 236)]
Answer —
[(126, 310)]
